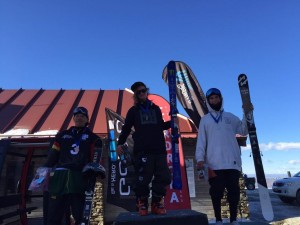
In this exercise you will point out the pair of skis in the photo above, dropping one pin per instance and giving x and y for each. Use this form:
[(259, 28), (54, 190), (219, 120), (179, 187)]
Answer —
[(263, 191), (171, 75)]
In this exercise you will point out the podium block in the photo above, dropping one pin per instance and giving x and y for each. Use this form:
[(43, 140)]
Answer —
[(173, 217)]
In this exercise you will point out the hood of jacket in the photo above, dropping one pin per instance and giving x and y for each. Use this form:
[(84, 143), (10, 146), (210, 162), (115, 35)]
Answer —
[(214, 112)]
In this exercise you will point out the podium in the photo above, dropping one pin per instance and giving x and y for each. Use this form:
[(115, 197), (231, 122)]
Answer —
[(173, 217)]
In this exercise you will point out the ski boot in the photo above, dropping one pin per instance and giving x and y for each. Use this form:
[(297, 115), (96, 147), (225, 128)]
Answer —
[(157, 206), (142, 206)]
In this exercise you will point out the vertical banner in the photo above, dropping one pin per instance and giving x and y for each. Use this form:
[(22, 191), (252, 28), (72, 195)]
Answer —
[(175, 199), (120, 179), (189, 91)]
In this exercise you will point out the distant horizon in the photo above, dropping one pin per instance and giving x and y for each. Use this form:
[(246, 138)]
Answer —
[(271, 175)]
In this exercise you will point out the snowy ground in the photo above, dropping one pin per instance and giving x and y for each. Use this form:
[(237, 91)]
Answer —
[(284, 214)]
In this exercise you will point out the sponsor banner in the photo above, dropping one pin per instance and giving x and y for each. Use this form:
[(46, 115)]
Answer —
[(120, 179)]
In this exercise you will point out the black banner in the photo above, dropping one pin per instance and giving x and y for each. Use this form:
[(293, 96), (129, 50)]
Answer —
[(189, 91), (120, 179)]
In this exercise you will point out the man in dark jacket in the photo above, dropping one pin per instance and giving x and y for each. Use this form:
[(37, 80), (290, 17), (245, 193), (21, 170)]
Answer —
[(149, 150), (72, 150)]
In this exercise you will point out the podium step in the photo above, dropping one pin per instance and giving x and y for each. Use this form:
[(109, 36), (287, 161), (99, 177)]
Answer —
[(173, 217)]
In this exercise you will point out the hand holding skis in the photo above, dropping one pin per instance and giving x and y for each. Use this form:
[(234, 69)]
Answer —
[(120, 150), (248, 107), (176, 120), (200, 165)]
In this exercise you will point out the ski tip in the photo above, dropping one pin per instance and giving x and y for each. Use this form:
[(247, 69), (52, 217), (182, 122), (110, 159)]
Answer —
[(268, 217), (171, 68), (242, 80), (242, 76), (171, 63), (265, 202)]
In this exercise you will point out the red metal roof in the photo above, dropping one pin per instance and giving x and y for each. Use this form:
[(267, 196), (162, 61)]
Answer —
[(43, 111)]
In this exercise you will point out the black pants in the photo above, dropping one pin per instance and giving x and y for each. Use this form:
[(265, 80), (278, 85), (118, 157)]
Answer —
[(228, 179), (151, 166), (59, 206)]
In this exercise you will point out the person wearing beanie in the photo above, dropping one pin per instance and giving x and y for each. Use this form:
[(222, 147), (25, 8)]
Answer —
[(149, 150), (218, 148), (72, 150)]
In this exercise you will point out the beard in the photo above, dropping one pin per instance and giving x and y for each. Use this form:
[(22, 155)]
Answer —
[(217, 106)]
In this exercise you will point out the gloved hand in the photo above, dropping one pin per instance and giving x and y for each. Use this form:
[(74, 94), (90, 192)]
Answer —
[(125, 157), (95, 169), (248, 107), (41, 179)]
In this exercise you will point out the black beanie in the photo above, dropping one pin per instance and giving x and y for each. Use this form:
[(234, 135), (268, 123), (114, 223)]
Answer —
[(81, 110)]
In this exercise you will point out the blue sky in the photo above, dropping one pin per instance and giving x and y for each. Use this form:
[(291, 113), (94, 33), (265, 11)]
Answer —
[(111, 44)]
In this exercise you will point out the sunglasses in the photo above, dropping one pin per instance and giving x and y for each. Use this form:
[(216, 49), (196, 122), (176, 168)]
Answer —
[(213, 91), (141, 91)]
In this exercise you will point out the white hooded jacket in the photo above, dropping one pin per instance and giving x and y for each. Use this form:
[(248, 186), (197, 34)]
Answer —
[(216, 143)]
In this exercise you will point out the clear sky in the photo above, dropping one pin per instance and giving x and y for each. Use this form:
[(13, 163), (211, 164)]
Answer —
[(95, 44)]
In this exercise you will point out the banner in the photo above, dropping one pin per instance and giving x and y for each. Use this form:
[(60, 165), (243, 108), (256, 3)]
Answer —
[(189, 92), (120, 179)]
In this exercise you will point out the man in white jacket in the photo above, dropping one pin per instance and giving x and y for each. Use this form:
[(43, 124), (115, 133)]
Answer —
[(218, 148)]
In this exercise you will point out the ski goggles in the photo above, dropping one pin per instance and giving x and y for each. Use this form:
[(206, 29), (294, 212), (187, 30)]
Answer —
[(213, 91), (144, 90)]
